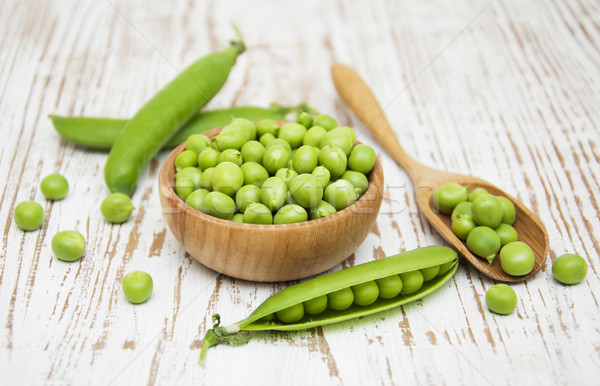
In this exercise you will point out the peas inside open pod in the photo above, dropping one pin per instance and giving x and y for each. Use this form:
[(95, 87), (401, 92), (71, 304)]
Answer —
[(350, 294)]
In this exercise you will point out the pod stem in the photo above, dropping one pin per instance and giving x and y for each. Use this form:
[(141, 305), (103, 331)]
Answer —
[(217, 334), (239, 44)]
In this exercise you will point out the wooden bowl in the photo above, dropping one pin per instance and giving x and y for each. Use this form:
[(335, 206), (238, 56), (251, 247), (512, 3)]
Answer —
[(268, 252)]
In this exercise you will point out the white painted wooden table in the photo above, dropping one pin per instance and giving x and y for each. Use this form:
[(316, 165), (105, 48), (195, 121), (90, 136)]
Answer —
[(504, 90)]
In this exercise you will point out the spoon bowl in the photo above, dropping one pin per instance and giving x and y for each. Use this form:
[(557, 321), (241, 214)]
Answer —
[(426, 180)]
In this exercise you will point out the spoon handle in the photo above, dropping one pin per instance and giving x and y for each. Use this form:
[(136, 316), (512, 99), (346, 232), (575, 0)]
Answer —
[(357, 95)]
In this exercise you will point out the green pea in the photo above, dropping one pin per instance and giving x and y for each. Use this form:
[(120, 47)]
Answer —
[(313, 136), (265, 126), (230, 155), (208, 158), (195, 198), (116, 208), (517, 258), (246, 195), (184, 186), (340, 194), (230, 140), (273, 193), (306, 159), (206, 181), (227, 178), (501, 299), (254, 173), (192, 174), (54, 187), (68, 245), (365, 293), (305, 119), (462, 225), (287, 175), (266, 139), (350, 132), (275, 158), (362, 158), (316, 305), (463, 208), (306, 190), (323, 175), (341, 299), (340, 138), (509, 213), (507, 234), (238, 217), (291, 314), (186, 158), (445, 267), (325, 121), (219, 205), (476, 193), (411, 282), (484, 242), (242, 126), (430, 272), (358, 180), (447, 196), (197, 143), (28, 215), (293, 133), (289, 214), (322, 209), (569, 268), (389, 287), (281, 142), (137, 286), (253, 151), (257, 213), (334, 159), (487, 210)]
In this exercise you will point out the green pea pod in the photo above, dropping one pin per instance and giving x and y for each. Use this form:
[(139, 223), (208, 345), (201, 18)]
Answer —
[(263, 318), (101, 133), (158, 120)]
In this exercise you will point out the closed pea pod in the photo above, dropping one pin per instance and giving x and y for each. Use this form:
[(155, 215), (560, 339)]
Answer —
[(101, 133), (150, 128), (333, 285)]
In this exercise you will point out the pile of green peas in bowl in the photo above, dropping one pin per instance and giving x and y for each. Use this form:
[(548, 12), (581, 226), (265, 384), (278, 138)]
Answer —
[(484, 222), (274, 173)]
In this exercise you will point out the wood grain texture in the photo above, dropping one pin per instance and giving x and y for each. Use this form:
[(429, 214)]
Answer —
[(504, 90)]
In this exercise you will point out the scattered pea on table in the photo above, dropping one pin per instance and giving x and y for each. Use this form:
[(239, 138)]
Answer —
[(68, 245), (28, 215), (137, 286), (54, 187)]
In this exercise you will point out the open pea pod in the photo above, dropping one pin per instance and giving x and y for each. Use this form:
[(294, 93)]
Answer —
[(265, 316)]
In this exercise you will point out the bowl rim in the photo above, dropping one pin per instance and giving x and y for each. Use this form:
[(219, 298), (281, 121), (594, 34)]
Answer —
[(166, 183)]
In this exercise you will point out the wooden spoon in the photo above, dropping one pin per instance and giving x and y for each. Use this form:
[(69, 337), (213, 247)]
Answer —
[(426, 180)]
